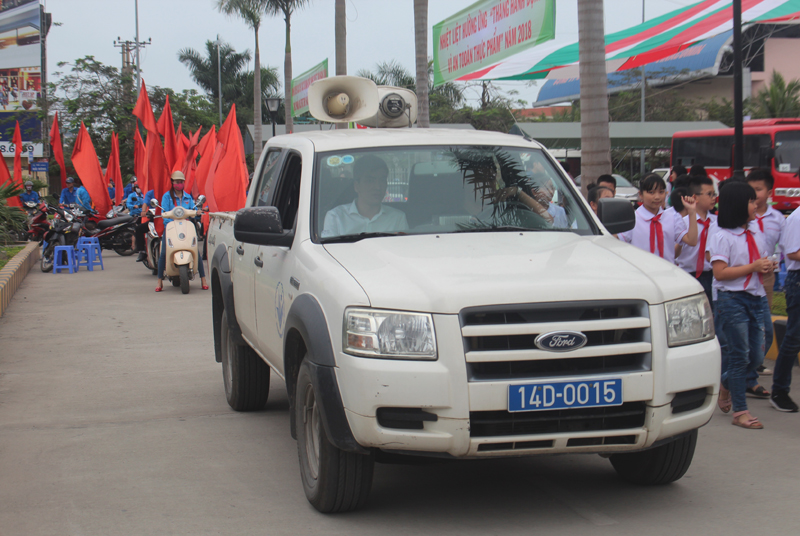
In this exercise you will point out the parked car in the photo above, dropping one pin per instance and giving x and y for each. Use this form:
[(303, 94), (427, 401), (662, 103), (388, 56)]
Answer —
[(625, 190)]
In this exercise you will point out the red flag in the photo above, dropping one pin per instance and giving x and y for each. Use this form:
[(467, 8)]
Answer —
[(5, 178), (58, 150), (144, 111), (231, 176), (17, 141), (140, 161), (157, 172), (206, 151), (113, 172), (166, 128), (87, 166), (190, 163), (181, 150)]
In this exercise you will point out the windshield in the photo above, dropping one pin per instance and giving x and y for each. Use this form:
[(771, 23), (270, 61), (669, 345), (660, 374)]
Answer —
[(787, 151), (423, 190)]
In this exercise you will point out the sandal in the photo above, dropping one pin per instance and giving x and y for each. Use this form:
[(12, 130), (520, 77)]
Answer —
[(757, 392), (749, 422), (724, 400), (159, 289)]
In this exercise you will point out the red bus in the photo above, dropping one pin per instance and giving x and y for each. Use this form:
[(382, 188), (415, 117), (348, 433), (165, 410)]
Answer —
[(768, 143)]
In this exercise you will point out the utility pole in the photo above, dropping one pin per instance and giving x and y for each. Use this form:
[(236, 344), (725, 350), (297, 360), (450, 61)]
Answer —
[(138, 62), (738, 123), (644, 85), (127, 47)]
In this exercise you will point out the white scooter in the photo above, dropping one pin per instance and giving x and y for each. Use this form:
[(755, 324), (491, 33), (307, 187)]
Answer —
[(180, 239)]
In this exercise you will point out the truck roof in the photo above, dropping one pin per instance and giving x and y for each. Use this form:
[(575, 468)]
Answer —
[(335, 140)]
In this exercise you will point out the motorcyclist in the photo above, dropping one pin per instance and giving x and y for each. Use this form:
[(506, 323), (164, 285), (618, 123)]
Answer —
[(68, 194), (135, 204), (128, 190), (176, 196), (29, 196)]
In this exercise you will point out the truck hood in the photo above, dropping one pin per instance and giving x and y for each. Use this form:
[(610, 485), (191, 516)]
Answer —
[(446, 273)]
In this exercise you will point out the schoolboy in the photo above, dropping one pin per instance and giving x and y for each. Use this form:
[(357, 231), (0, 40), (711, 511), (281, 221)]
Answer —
[(608, 181), (769, 221), (787, 356), (702, 188), (656, 231)]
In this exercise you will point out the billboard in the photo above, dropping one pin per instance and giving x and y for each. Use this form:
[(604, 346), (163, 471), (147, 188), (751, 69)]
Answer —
[(20, 55), (489, 31), (300, 86)]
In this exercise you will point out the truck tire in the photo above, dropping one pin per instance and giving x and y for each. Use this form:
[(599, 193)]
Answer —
[(245, 375), (657, 466), (184, 269), (333, 480)]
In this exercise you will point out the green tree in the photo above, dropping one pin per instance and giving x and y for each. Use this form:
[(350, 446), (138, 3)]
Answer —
[(250, 12), (12, 219), (286, 8), (779, 99)]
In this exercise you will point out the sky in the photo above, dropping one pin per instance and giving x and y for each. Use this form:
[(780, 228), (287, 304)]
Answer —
[(377, 31)]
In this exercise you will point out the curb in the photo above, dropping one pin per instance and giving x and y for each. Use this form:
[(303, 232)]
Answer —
[(14, 272)]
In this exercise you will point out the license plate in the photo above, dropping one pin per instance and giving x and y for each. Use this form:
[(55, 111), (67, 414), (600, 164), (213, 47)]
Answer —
[(565, 395)]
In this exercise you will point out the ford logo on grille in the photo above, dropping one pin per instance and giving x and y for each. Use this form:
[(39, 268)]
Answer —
[(561, 341)]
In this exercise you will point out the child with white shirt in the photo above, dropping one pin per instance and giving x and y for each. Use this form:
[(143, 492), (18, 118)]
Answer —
[(769, 221), (657, 231), (739, 265), (692, 258)]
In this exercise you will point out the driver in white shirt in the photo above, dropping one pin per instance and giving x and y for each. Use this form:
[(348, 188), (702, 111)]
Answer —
[(367, 214)]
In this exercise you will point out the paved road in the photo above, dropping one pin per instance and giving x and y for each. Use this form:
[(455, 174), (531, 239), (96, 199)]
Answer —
[(113, 421)]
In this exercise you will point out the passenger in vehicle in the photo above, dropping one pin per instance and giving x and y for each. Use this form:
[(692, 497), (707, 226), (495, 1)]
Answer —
[(367, 213)]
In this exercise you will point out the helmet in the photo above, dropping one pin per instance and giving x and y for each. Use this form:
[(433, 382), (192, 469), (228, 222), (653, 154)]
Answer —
[(70, 180), (28, 183), (177, 176), (133, 179)]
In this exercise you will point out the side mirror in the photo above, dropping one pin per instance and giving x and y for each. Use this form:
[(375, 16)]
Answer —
[(154, 203), (261, 226), (616, 215), (200, 200)]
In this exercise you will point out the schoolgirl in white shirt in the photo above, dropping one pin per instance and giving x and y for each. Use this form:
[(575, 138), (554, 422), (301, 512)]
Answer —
[(739, 266), (658, 231)]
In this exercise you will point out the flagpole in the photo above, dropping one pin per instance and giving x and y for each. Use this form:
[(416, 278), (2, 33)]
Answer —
[(138, 64), (219, 81)]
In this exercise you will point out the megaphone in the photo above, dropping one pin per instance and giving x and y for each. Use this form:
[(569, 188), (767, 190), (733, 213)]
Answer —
[(341, 99), (397, 107)]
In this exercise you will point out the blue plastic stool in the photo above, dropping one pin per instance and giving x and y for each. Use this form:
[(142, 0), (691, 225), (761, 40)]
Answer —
[(89, 254), (71, 260)]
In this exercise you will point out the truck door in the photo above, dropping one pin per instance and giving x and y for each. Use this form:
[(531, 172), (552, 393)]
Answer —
[(242, 255), (275, 266)]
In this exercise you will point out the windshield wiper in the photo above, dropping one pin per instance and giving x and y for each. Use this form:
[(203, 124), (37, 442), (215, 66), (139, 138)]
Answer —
[(498, 229), (355, 237)]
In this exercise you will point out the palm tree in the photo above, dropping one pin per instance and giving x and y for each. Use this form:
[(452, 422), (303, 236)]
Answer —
[(779, 99), (250, 12), (203, 69), (595, 139), (286, 8), (421, 48)]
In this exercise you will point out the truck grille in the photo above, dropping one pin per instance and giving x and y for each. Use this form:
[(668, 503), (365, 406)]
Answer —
[(499, 341), (503, 423)]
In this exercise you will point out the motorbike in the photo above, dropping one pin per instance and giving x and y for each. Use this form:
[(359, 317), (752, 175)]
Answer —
[(38, 223), (114, 233), (182, 243), (64, 230), (152, 243)]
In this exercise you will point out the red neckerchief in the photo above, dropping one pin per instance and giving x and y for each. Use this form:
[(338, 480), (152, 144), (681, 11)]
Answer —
[(760, 220), (701, 253), (656, 235), (754, 254)]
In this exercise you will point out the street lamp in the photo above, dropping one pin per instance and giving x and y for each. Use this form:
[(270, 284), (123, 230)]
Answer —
[(273, 103)]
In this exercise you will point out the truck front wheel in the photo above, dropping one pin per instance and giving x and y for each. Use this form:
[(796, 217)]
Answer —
[(660, 465), (246, 376), (333, 480)]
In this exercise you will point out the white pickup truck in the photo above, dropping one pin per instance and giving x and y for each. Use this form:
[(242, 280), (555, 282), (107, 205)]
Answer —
[(450, 294)]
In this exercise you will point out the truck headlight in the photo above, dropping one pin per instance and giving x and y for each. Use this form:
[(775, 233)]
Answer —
[(389, 334), (689, 320)]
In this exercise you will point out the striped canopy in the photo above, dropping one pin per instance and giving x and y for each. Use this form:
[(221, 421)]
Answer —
[(642, 44)]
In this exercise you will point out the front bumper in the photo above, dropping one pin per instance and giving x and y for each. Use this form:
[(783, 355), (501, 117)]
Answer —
[(443, 388)]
